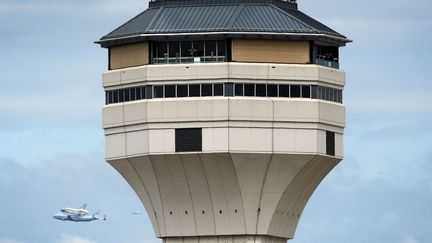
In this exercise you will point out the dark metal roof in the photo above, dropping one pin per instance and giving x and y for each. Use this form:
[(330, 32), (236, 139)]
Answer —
[(242, 16)]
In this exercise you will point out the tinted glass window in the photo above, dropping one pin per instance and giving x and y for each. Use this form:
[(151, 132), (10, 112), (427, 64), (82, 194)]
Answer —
[(229, 89), (149, 92), (126, 95), (110, 97), (249, 89), (320, 92), (306, 92), (162, 49), (314, 92), (132, 94), (174, 49), (210, 48), (121, 95), (143, 92), (158, 91), (218, 89), (186, 48), (283, 90), (272, 90), (221, 48), (238, 89), (295, 90), (261, 90), (327, 93), (138, 93), (107, 97), (116, 96), (198, 48), (194, 90), (170, 91), (182, 90), (206, 90)]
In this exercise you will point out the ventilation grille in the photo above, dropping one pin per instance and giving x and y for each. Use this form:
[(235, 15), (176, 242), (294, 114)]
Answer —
[(330, 143), (188, 140)]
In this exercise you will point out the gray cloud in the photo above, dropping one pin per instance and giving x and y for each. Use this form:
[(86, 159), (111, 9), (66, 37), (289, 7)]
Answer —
[(347, 209), (32, 194)]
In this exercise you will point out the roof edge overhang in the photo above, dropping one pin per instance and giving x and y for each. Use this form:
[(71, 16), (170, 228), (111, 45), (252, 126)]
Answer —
[(290, 4), (331, 39)]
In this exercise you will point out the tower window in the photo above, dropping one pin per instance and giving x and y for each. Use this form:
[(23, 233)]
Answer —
[(148, 92), (116, 98), (125, 95), (283, 90), (249, 89), (261, 90), (306, 91), (223, 89), (272, 90), (158, 91), (194, 90), (239, 90), (206, 90), (170, 91), (218, 89), (330, 143), (229, 89), (182, 91), (314, 92), (138, 93), (170, 52), (188, 140), (121, 95), (132, 94), (295, 91)]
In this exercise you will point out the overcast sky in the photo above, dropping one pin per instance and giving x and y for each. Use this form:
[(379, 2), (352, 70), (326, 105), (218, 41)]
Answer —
[(51, 140)]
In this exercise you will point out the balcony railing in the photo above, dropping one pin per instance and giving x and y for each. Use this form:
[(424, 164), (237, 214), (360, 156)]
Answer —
[(200, 59), (327, 63)]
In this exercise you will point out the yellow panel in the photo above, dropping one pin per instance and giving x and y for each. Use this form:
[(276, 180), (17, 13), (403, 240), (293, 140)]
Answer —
[(128, 55), (275, 51)]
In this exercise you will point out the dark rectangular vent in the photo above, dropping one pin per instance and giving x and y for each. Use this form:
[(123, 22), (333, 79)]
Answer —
[(330, 143), (188, 140)]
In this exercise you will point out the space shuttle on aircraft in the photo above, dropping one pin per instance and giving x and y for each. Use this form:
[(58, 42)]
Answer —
[(76, 211)]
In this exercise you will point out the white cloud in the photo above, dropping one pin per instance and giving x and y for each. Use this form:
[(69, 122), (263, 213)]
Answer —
[(65, 238), (409, 239)]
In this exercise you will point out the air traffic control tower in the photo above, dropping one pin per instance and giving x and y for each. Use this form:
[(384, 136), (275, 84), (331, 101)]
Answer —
[(224, 115)]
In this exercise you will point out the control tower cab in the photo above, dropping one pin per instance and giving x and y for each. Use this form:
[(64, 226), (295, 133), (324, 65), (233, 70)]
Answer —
[(224, 116)]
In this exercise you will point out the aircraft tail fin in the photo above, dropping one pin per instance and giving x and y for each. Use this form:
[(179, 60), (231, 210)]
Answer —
[(97, 212), (84, 206)]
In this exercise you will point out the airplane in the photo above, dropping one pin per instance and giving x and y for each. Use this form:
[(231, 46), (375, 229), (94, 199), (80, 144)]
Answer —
[(76, 211), (78, 217), (136, 213)]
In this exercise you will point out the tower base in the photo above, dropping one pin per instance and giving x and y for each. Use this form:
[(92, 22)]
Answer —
[(226, 239)]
